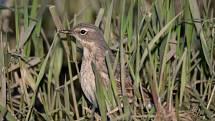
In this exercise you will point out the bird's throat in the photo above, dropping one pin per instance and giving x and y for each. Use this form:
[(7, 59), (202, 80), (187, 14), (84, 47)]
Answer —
[(88, 54)]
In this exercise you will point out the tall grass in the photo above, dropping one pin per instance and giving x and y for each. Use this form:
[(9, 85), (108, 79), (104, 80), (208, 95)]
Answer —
[(167, 47)]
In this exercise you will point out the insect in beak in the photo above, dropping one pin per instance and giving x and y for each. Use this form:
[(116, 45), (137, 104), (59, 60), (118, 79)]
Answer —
[(65, 31), (68, 32)]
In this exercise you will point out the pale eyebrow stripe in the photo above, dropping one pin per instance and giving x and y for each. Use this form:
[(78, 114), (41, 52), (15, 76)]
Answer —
[(88, 29)]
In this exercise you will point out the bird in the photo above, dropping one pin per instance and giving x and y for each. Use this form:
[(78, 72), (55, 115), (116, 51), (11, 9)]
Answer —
[(94, 51), (94, 46)]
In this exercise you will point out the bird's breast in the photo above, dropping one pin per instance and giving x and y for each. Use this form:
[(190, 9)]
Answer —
[(87, 80)]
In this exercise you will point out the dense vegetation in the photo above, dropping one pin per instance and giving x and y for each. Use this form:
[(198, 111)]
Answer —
[(167, 45)]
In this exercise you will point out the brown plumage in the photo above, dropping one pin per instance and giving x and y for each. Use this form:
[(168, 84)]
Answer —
[(94, 48)]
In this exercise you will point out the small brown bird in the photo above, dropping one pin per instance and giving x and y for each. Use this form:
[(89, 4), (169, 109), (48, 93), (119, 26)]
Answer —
[(94, 48)]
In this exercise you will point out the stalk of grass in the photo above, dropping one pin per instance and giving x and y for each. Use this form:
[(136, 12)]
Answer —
[(156, 39), (39, 78), (74, 50), (100, 94), (171, 84), (17, 22), (123, 26), (60, 26), (99, 17), (67, 102), (108, 23), (130, 29), (170, 60), (27, 47), (45, 100), (27, 34), (202, 105), (113, 90), (184, 77), (36, 38), (196, 16), (3, 91), (153, 84)]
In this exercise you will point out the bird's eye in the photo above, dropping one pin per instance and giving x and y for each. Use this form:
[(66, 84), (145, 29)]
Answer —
[(83, 32)]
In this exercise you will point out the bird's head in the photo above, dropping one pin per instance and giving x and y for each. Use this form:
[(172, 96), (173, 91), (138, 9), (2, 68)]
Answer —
[(88, 35)]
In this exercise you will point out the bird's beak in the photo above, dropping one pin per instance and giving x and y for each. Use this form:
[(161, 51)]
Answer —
[(66, 31)]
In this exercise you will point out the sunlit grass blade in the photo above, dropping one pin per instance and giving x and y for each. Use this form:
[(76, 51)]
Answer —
[(99, 17), (163, 66), (183, 77)]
